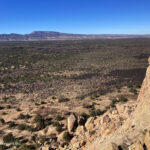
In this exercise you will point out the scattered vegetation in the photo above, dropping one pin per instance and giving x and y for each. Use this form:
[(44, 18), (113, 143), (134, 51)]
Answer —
[(67, 137), (22, 116), (63, 99), (9, 138), (2, 120)]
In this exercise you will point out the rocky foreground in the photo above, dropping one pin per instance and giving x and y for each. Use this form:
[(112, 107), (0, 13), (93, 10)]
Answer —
[(134, 134), (122, 124)]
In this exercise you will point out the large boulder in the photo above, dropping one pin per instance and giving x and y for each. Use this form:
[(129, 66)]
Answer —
[(49, 131), (72, 122), (90, 124)]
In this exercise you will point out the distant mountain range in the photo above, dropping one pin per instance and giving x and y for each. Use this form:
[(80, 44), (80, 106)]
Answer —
[(50, 35)]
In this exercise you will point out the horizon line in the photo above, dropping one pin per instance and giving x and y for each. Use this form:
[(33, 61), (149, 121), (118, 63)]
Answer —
[(76, 33)]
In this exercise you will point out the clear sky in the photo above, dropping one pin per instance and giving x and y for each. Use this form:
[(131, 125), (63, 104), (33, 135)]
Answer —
[(75, 16)]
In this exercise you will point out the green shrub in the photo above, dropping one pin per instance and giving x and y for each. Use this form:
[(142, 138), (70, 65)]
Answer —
[(92, 132), (28, 147), (67, 137), (137, 85), (99, 112), (40, 125), (53, 97), (12, 124), (2, 120), (122, 99), (59, 118), (25, 127), (18, 109), (9, 138), (130, 85), (42, 102), (94, 95), (113, 103), (1, 107), (37, 118), (3, 147), (5, 98), (22, 116), (58, 126), (92, 113), (8, 106), (63, 99), (83, 118), (48, 121), (132, 90)]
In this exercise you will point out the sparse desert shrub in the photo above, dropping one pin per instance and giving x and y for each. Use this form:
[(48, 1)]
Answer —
[(42, 102), (94, 95), (2, 120), (25, 127), (53, 97), (37, 118), (63, 99), (137, 85), (130, 85), (1, 107), (58, 126), (67, 137), (4, 113), (122, 99), (86, 116), (92, 113), (12, 124), (87, 106), (99, 112), (3, 147), (8, 106), (18, 109), (83, 118), (113, 103), (5, 98), (40, 125), (95, 112), (28, 147), (9, 138), (59, 118), (43, 139), (22, 116), (48, 121), (133, 90), (92, 132), (36, 104)]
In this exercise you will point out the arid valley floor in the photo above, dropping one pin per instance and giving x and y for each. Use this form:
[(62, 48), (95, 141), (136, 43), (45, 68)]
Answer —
[(51, 92)]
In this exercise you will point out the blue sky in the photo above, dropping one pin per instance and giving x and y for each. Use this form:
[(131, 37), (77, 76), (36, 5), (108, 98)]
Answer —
[(75, 16)]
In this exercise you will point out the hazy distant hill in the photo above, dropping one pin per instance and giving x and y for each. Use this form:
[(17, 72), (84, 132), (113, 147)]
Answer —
[(50, 35)]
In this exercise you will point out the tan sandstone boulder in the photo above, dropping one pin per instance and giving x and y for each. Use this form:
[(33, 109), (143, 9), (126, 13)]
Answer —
[(72, 122), (111, 146)]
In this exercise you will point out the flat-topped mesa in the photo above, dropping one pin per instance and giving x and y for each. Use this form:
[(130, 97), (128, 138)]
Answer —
[(141, 116)]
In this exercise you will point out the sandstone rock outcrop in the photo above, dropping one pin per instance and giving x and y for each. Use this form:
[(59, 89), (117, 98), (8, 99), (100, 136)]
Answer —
[(141, 116), (132, 131)]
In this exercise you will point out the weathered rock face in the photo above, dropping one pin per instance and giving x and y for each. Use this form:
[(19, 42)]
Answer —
[(72, 122), (131, 131), (141, 116), (147, 140), (111, 146)]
